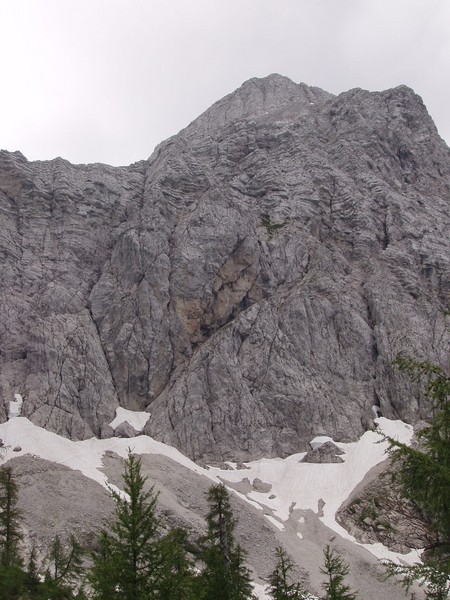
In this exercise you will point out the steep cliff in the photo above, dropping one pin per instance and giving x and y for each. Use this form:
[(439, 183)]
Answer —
[(249, 284)]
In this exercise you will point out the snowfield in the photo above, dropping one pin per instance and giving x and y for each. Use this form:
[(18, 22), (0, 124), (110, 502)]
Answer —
[(322, 488), (291, 484)]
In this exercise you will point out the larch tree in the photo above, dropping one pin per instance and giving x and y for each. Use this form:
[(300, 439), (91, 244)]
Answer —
[(10, 515), (177, 579), (281, 587), (128, 564), (335, 571), (225, 575), (12, 576), (64, 570), (424, 475)]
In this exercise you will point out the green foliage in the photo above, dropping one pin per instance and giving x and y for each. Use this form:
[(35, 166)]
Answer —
[(64, 566), (64, 570), (10, 515), (425, 478), (220, 521), (134, 561), (12, 582), (32, 575), (224, 576), (177, 576), (335, 570), (435, 580), (425, 470), (128, 564), (437, 381), (12, 576), (280, 586), (241, 582), (271, 228)]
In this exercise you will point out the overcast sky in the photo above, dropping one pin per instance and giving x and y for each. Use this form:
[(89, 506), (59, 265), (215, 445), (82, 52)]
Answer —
[(107, 80)]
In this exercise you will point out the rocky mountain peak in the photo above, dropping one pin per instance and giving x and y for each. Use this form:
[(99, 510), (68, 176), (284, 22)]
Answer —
[(256, 98), (249, 284)]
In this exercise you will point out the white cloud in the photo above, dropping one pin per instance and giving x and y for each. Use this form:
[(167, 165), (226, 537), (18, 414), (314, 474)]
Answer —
[(107, 80)]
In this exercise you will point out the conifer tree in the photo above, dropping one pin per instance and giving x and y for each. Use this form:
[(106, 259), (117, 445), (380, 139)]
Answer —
[(12, 582), (425, 470), (64, 570), (10, 533), (177, 573), (128, 565), (424, 473), (12, 576), (33, 581), (241, 582), (335, 570), (64, 566), (225, 576), (280, 586)]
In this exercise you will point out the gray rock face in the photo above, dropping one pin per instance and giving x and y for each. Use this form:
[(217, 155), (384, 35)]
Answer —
[(378, 512), (249, 284), (326, 453), (125, 430)]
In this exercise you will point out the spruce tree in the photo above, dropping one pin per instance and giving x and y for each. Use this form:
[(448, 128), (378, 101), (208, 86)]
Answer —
[(225, 576), (335, 570), (281, 588), (128, 565)]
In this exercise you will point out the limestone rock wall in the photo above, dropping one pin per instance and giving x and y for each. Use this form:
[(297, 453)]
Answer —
[(249, 284)]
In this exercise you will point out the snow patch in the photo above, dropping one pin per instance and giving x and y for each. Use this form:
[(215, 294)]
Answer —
[(118, 491), (385, 554), (320, 440), (376, 411), (321, 488), (85, 456), (275, 522), (239, 494), (260, 591), (136, 419), (15, 406)]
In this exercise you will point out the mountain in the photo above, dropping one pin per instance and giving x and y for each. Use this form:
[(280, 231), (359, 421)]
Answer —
[(248, 285)]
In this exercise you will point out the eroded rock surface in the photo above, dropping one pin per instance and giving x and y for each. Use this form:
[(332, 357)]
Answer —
[(249, 284), (378, 512), (125, 430), (326, 453)]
